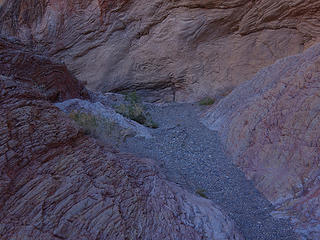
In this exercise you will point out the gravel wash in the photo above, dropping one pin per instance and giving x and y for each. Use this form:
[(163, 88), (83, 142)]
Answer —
[(192, 156)]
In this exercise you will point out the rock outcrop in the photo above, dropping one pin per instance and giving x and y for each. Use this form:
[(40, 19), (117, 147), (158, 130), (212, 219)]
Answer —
[(50, 78), (57, 183), (270, 126), (166, 50), (127, 126)]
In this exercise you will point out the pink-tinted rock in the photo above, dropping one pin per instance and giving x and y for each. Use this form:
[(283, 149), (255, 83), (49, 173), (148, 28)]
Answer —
[(169, 50), (270, 126), (57, 183)]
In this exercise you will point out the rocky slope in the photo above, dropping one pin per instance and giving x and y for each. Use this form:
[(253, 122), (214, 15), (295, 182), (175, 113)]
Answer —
[(270, 126), (168, 50), (57, 183)]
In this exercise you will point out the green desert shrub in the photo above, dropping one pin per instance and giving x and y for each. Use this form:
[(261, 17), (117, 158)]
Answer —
[(132, 97), (134, 110), (206, 101), (87, 122), (100, 127)]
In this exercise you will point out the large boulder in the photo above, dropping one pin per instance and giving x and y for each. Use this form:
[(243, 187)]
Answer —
[(126, 126), (270, 126), (58, 183), (166, 50)]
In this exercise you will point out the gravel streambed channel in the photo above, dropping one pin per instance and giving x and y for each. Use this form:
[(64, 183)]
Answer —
[(192, 156)]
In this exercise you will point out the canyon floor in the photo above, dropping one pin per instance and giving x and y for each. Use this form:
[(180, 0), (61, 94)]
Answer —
[(193, 157)]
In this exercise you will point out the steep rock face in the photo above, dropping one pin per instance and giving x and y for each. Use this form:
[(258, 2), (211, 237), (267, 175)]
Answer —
[(270, 126), (168, 50), (56, 183), (52, 79)]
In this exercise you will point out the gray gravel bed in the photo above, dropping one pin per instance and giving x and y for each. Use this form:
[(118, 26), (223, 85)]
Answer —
[(192, 156)]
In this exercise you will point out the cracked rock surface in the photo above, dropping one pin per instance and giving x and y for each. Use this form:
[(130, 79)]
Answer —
[(57, 183), (270, 126)]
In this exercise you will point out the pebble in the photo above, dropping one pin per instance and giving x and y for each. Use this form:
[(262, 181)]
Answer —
[(192, 156)]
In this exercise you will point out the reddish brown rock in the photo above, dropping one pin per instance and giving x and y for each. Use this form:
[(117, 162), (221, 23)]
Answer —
[(169, 50), (270, 126), (38, 71), (57, 183)]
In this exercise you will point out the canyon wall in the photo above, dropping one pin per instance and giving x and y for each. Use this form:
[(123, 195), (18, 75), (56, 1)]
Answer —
[(165, 50), (58, 183), (270, 126)]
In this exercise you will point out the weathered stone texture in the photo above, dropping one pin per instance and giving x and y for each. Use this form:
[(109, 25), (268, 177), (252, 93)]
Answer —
[(168, 50), (57, 183), (270, 126), (38, 71), (126, 127)]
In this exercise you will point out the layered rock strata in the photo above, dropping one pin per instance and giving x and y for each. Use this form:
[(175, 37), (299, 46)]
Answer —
[(270, 126), (57, 183), (166, 50), (37, 71)]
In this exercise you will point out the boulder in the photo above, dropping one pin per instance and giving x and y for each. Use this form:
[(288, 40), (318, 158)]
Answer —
[(126, 126)]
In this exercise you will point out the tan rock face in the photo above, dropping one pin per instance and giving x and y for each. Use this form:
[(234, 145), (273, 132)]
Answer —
[(270, 125), (169, 50), (56, 183)]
